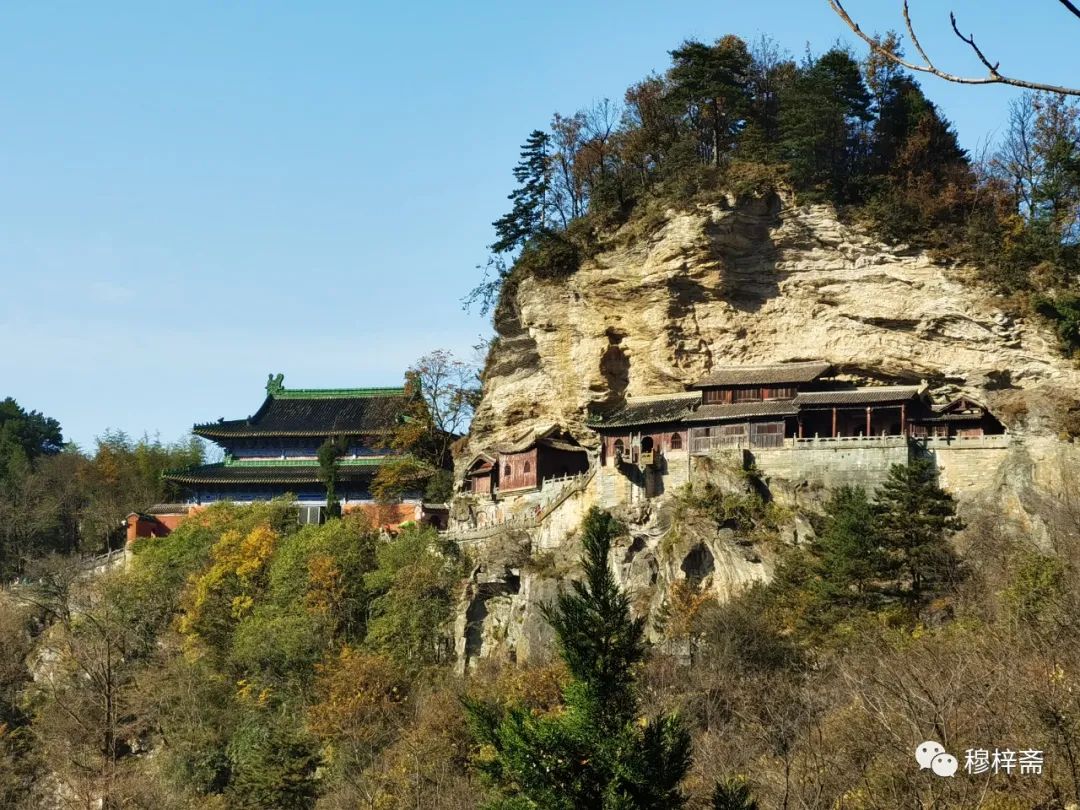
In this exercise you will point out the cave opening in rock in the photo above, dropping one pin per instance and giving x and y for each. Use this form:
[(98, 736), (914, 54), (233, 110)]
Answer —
[(638, 544), (698, 564)]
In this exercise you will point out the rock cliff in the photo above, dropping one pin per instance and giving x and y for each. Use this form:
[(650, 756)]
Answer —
[(751, 281), (742, 282)]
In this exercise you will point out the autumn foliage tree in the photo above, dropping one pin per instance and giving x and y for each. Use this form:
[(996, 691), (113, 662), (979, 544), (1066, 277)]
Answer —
[(442, 392)]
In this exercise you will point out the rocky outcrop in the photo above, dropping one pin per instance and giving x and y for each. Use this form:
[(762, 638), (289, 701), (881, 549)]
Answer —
[(754, 281), (744, 282)]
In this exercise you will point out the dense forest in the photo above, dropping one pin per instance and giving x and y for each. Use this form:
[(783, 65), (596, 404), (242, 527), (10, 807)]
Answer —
[(862, 135), (246, 661), (58, 498)]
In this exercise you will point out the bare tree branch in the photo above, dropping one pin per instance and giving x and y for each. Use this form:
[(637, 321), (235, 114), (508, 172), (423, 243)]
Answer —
[(1072, 8), (994, 76)]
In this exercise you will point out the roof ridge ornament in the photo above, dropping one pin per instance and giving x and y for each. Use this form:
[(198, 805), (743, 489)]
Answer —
[(275, 384)]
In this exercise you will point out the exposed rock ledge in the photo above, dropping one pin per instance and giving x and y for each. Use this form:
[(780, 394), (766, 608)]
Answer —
[(752, 282)]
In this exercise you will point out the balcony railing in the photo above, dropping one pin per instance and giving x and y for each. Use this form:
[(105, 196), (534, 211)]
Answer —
[(703, 445)]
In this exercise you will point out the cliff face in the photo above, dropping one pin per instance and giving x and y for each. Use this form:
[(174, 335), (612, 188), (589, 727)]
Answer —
[(759, 281)]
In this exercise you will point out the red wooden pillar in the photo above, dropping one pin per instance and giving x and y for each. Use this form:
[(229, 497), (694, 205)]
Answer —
[(868, 409), (800, 427), (834, 423), (903, 419)]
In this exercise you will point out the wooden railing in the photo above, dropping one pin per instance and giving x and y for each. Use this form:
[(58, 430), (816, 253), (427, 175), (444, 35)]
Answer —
[(852, 441), (705, 444)]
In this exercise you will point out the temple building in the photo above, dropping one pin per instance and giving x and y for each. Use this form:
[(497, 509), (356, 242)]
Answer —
[(275, 451), (770, 407), (525, 465)]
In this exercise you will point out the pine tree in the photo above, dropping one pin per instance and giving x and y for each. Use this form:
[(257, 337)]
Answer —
[(528, 215), (328, 454), (848, 546), (823, 116), (733, 794), (923, 180), (915, 516), (595, 753), (711, 84)]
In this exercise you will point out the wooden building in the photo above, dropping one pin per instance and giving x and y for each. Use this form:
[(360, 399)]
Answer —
[(525, 465), (961, 418), (646, 429), (480, 475), (773, 405)]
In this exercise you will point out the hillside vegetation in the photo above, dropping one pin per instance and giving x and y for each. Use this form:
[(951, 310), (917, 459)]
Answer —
[(733, 117), (246, 662)]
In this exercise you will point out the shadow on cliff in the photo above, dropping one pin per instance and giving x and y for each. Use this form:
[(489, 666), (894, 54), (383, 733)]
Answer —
[(741, 246), (517, 349)]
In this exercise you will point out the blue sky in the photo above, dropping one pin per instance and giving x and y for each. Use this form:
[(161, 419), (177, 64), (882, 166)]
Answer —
[(195, 194)]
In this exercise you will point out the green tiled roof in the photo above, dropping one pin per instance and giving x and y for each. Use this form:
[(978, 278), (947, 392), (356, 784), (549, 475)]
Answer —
[(773, 374), (336, 393), (314, 413), (297, 472), (869, 395), (743, 410), (301, 462)]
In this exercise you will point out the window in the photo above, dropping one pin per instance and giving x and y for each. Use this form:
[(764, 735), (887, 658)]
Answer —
[(507, 472), (676, 441), (526, 469), (311, 515), (620, 448)]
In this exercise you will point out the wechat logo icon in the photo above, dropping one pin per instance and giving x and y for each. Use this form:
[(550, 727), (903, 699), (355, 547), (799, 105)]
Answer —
[(933, 755)]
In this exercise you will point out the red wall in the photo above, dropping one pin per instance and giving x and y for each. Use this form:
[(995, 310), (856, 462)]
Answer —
[(151, 525), (517, 470)]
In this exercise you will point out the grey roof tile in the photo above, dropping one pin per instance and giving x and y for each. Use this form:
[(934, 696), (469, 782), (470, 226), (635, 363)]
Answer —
[(764, 375), (858, 396)]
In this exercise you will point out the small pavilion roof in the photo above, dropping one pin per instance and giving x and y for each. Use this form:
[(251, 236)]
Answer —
[(552, 437), (959, 404), (773, 374), (480, 463), (168, 509)]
